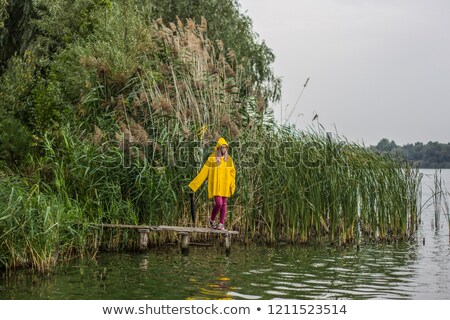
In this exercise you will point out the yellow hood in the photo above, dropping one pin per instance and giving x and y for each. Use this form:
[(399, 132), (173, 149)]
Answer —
[(221, 142)]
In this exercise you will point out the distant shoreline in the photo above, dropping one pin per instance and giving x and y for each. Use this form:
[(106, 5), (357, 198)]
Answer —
[(432, 155)]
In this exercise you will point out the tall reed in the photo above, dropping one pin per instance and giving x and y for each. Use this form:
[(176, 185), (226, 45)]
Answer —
[(440, 199), (331, 190)]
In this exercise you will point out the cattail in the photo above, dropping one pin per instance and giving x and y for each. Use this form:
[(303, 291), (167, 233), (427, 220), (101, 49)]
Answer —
[(139, 134), (119, 136), (165, 69), (143, 98), (225, 120), (220, 45), (182, 87), (89, 61), (155, 146), (97, 137), (199, 84), (141, 155), (229, 71), (212, 69), (234, 130), (81, 110), (231, 88), (190, 25), (164, 105), (120, 102), (186, 131), (136, 103), (203, 24), (179, 23), (103, 68), (121, 79), (138, 71), (231, 54), (261, 104), (161, 34), (216, 135)]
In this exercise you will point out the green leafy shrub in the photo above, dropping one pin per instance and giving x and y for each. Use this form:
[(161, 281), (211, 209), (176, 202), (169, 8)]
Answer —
[(15, 141)]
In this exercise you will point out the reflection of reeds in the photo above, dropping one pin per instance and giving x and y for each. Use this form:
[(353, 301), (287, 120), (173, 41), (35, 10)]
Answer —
[(441, 200), (438, 193), (446, 210)]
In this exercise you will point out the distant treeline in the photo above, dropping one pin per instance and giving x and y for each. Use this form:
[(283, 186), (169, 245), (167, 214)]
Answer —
[(431, 155)]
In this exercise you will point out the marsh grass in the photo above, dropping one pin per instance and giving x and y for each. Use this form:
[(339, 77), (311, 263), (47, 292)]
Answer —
[(298, 187), (440, 197), (147, 91), (36, 227), (332, 191)]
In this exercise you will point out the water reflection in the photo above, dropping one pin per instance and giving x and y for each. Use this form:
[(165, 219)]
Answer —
[(302, 273), (218, 289), (373, 272)]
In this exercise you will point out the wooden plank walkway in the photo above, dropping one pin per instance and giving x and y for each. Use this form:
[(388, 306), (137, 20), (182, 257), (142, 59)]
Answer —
[(184, 232), (196, 229)]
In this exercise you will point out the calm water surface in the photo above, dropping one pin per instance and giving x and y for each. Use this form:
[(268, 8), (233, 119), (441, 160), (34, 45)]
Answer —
[(406, 270)]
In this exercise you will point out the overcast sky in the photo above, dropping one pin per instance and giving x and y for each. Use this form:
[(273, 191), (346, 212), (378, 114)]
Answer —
[(377, 68)]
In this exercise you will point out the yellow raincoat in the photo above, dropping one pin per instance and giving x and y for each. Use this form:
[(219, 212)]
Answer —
[(221, 177)]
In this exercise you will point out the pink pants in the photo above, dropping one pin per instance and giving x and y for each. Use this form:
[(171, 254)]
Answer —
[(221, 205)]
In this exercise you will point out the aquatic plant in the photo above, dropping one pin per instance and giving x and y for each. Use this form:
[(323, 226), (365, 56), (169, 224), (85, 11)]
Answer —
[(440, 197), (312, 187), (145, 105)]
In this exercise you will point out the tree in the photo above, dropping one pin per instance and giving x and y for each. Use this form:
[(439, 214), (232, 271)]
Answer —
[(385, 146), (430, 155), (16, 31)]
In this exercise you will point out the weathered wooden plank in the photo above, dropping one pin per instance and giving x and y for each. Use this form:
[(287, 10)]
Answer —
[(184, 232), (161, 228), (195, 229), (124, 226)]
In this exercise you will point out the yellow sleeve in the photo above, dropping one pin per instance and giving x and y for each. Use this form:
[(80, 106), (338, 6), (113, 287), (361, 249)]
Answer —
[(233, 177), (200, 178)]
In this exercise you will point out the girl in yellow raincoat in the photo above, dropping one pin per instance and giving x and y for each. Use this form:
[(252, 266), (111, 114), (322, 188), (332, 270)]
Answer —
[(221, 174)]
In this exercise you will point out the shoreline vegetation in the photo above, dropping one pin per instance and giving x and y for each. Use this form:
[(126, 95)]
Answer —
[(107, 111), (432, 155)]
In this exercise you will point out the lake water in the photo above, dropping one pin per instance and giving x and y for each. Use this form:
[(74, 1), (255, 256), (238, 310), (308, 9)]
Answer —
[(405, 270)]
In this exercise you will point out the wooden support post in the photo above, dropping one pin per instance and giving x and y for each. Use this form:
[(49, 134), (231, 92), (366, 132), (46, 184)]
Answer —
[(143, 239), (184, 242), (227, 242)]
